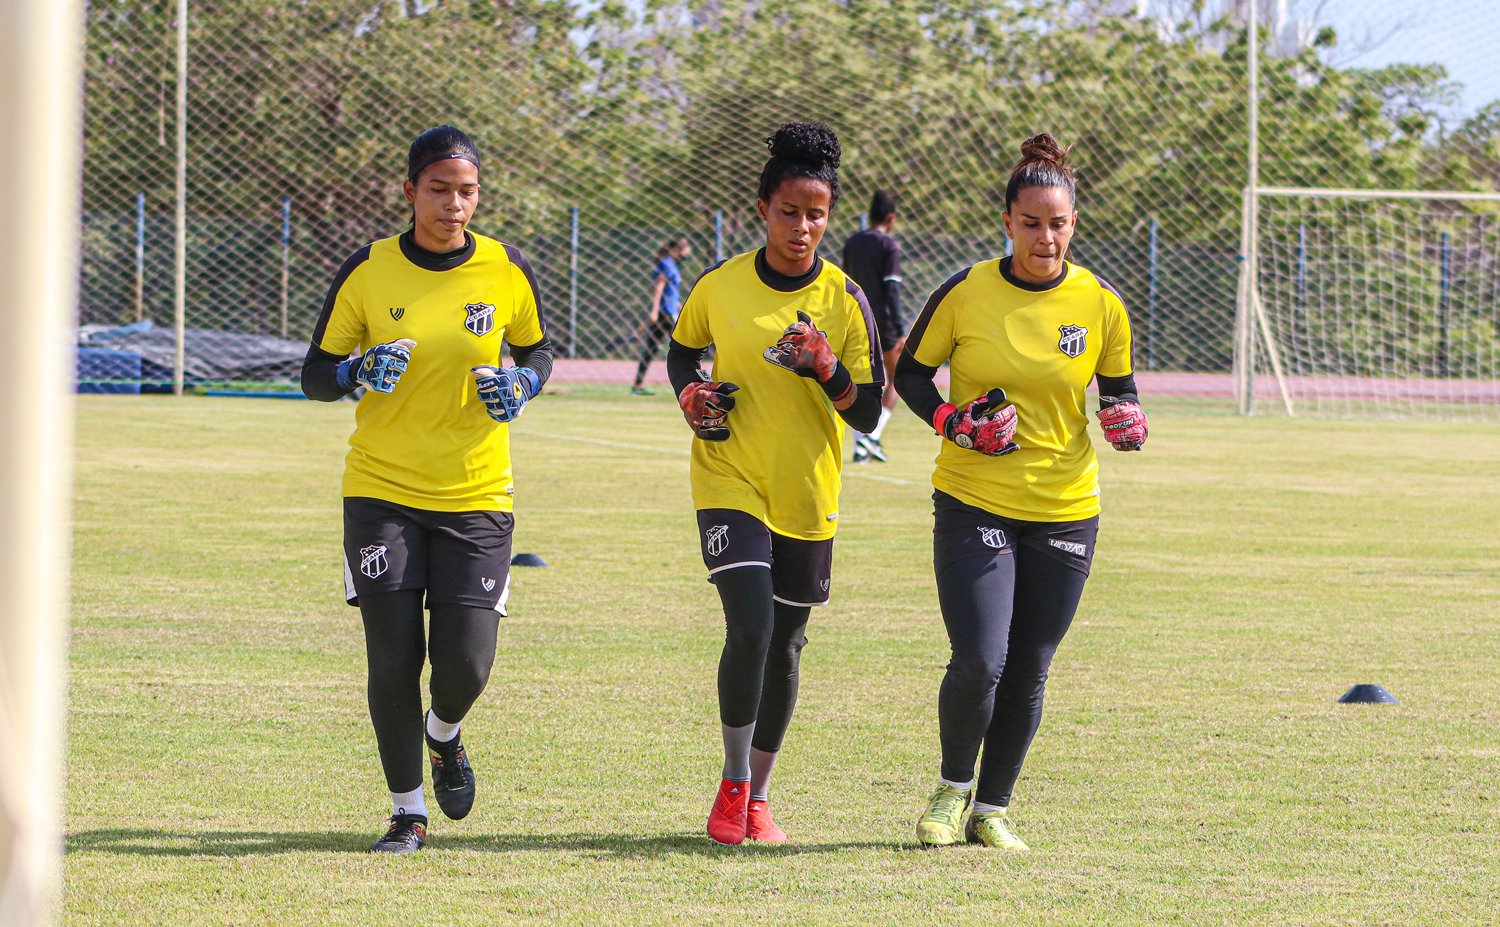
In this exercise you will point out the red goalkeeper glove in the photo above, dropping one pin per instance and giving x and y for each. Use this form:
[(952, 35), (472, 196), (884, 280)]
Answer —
[(705, 405), (804, 350), (981, 425), (1124, 424)]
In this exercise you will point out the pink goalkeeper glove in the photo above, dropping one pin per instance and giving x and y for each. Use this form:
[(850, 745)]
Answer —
[(1124, 424)]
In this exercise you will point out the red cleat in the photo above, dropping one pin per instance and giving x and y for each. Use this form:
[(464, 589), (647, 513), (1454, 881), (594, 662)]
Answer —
[(726, 822), (760, 826)]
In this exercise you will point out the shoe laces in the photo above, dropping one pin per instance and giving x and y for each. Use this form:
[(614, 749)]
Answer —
[(947, 805)]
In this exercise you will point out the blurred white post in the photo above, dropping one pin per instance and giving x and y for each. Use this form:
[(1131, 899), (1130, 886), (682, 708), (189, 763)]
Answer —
[(180, 299), (1244, 325), (41, 120)]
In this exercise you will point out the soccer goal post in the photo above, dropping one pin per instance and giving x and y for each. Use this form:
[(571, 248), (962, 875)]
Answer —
[(1370, 303)]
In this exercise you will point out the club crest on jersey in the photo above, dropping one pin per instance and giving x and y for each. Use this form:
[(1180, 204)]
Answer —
[(372, 560), (717, 538), (397, 312), (992, 537), (1074, 340), (479, 318)]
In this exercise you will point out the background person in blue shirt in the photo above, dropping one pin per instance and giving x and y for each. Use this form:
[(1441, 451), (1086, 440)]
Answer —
[(666, 299)]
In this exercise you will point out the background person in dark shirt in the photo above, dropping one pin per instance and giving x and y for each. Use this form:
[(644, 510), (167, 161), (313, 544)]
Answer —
[(873, 259)]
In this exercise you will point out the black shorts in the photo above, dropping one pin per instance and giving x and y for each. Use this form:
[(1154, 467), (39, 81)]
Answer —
[(889, 328), (801, 571), (460, 558), (961, 531)]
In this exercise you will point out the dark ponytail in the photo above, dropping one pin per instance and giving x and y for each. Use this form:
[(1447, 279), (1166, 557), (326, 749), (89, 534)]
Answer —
[(440, 143), (1044, 163), (802, 149), (672, 245)]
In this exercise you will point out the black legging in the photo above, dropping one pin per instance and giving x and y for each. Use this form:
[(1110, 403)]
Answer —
[(1005, 617), (655, 332), (758, 669), (462, 650)]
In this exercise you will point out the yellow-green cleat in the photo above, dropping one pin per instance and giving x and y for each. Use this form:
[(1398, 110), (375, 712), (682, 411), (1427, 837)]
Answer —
[(993, 830), (943, 822)]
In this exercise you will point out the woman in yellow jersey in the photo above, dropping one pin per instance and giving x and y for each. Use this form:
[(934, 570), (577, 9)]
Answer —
[(1016, 489), (427, 481), (796, 358)]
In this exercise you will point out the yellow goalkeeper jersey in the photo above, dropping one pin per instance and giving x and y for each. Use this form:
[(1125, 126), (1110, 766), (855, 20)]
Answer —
[(429, 444), (783, 459), (1042, 343)]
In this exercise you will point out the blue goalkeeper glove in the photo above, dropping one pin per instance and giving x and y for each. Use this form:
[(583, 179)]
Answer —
[(379, 368), (505, 391)]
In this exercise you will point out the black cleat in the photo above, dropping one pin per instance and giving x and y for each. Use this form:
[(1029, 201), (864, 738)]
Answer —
[(452, 776), (407, 834)]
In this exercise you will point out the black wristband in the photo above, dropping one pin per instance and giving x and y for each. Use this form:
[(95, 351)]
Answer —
[(838, 386)]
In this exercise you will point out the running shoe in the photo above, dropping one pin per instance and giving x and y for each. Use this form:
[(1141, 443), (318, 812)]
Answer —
[(407, 834), (728, 820), (876, 449), (642, 391), (861, 453), (942, 824), (993, 830), (760, 825), (452, 776)]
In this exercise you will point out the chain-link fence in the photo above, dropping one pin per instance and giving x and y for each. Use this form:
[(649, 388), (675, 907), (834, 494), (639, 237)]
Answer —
[(607, 130)]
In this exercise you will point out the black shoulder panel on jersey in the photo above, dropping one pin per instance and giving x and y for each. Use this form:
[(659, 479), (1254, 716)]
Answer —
[(519, 259), (877, 364), (349, 266), (919, 327)]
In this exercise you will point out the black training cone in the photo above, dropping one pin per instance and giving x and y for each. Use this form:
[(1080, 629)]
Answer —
[(1368, 692), (534, 560)]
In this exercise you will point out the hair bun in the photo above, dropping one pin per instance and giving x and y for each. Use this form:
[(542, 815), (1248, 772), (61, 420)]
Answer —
[(810, 143), (1043, 149)]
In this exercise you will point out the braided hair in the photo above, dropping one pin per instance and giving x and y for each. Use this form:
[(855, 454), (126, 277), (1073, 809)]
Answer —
[(802, 149)]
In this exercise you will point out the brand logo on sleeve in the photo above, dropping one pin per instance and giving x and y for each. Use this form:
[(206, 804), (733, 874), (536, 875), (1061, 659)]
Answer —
[(372, 561), (1074, 340), (397, 312), (717, 538), (480, 318)]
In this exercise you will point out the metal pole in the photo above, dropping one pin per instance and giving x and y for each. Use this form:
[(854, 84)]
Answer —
[(1245, 332), (864, 221), (40, 50), (286, 258), (180, 283), (1151, 300), (573, 287), (1445, 306), (718, 235), (140, 255)]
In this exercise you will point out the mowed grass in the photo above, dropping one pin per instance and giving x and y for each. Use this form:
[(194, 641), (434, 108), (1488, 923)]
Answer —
[(1192, 766)]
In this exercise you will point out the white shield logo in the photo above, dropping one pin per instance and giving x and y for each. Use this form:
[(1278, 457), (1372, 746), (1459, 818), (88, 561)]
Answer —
[(487, 583), (718, 539), (1074, 340), (480, 318), (993, 537), (372, 561)]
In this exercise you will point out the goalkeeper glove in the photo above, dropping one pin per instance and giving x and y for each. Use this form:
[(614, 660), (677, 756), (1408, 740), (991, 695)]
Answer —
[(379, 368), (981, 425), (804, 350), (705, 405), (504, 391), (1124, 423)]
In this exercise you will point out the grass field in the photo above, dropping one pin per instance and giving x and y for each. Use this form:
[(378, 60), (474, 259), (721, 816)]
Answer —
[(1192, 767)]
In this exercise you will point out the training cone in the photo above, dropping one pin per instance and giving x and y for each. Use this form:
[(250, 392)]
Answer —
[(534, 560), (1368, 692)]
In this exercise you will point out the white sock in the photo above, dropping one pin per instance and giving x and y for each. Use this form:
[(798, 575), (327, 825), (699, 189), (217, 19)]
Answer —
[(981, 807), (409, 802), (885, 416), (961, 786), (440, 730)]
